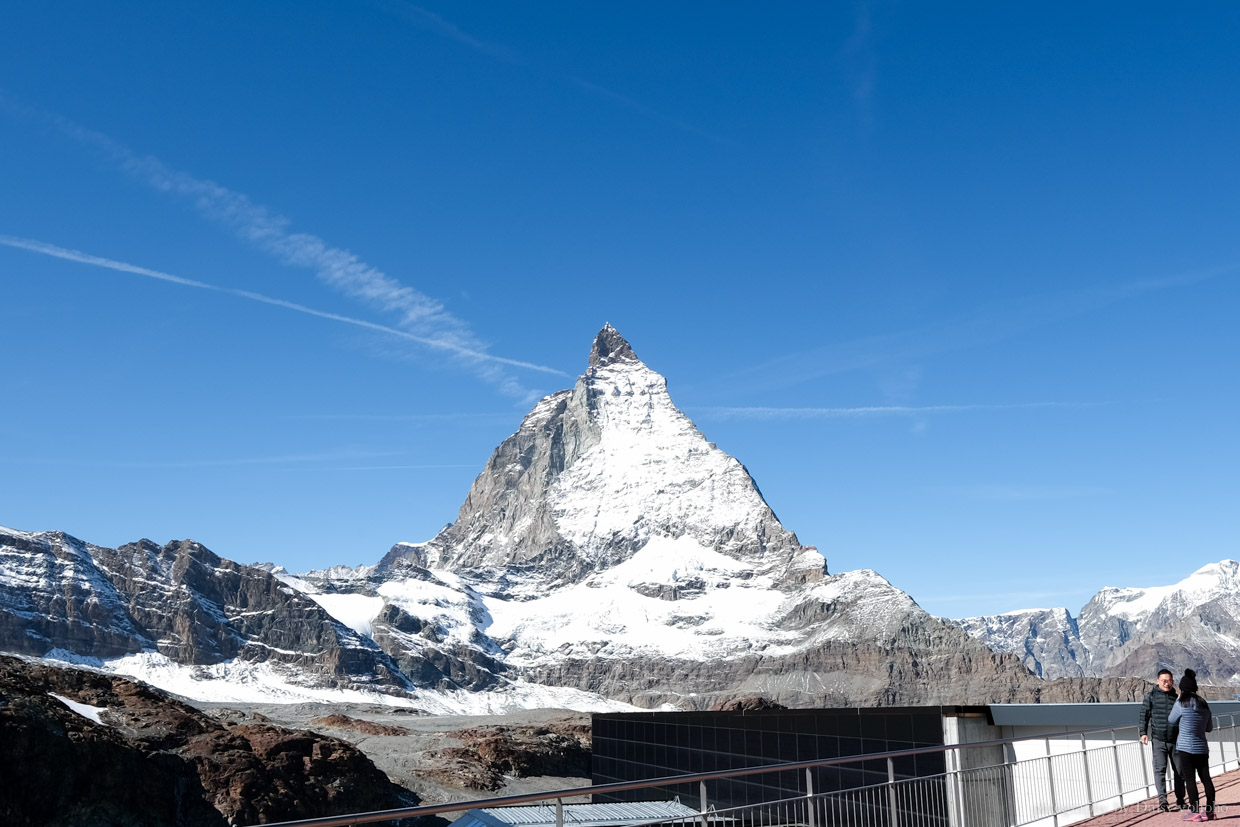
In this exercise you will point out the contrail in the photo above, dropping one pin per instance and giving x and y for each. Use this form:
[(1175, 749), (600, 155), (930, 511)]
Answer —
[(422, 319), (46, 249), (878, 410)]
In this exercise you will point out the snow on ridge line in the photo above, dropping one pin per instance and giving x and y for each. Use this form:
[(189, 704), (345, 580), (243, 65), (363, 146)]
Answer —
[(243, 682), (13, 532), (1203, 585)]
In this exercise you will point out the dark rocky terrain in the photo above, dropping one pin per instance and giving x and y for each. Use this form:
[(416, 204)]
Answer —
[(451, 758), (155, 761)]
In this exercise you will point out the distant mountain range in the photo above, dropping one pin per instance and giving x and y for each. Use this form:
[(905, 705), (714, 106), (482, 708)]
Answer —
[(1192, 624), (606, 556)]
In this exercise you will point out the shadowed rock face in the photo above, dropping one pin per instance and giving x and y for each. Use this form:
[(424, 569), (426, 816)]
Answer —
[(180, 600), (152, 760)]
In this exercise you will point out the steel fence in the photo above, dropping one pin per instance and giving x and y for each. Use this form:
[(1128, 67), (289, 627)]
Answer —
[(1079, 774)]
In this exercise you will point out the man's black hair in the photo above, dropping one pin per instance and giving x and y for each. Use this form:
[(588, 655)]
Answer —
[(1165, 672)]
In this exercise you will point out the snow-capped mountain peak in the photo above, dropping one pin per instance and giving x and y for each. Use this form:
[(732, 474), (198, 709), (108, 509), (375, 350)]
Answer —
[(1130, 631), (1208, 583), (610, 346), (606, 553), (594, 474)]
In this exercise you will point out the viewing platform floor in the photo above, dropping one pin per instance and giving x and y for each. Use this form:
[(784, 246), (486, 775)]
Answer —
[(1146, 813)]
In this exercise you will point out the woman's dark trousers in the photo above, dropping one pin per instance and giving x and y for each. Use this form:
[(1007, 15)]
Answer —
[(1191, 765)]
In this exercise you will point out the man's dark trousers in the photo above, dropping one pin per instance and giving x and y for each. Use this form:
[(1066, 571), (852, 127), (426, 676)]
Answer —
[(1164, 754)]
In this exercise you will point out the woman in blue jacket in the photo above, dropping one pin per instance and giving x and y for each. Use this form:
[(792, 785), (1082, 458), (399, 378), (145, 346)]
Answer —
[(1192, 753)]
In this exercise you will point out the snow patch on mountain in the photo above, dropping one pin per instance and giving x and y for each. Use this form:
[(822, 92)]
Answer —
[(1208, 583), (243, 682), (650, 468), (1129, 631), (444, 601), (90, 713)]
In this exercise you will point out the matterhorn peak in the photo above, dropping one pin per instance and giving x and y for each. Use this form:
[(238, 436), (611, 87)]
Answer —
[(610, 346), (599, 473)]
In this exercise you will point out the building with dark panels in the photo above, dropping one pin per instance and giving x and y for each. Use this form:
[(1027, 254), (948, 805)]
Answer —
[(634, 746)]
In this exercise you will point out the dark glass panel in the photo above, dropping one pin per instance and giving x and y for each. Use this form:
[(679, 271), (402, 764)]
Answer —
[(900, 727), (873, 726)]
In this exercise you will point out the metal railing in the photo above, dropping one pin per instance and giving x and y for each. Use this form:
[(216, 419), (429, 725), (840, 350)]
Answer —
[(1078, 774)]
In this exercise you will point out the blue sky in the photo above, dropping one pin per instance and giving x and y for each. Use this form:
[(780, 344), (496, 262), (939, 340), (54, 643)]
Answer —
[(958, 284)]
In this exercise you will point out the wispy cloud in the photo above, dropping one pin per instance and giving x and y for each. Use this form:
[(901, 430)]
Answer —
[(407, 467), (872, 411), (642, 109), (989, 324), (436, 23), (1026, 598), (454, 347), (215, 462), (860, 61), (413, 417), (422, 318), (1000, 492)]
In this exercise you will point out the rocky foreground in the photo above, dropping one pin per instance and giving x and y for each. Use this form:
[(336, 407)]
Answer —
[(93, 750), (86, 749)]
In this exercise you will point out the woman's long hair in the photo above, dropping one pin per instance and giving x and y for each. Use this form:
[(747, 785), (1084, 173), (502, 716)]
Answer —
[(1188, 689)]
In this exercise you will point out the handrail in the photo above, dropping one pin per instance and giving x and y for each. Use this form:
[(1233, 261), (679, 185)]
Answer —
[(624, 786)]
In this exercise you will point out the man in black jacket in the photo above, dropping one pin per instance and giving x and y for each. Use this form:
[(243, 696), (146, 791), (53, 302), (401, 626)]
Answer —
[(1155, 729)]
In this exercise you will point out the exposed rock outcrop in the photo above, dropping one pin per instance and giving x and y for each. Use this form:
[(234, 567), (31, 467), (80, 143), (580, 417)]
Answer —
[(1131, 632), (594, 473), (88, 749), (488, 754), (179, 600)]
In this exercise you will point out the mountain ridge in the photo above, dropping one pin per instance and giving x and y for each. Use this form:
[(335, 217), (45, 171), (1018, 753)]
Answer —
[(607, 556), (1129, 631)]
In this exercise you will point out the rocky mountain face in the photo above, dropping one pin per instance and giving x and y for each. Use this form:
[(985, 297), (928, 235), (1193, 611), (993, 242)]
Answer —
[(179, 601), (92, 750), (591, 477), (1047, 640), (607, 554), (608, 548), (1130, 631)]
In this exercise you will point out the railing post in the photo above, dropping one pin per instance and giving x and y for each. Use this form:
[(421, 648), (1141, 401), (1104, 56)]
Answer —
[(1089, 787), (1235, 738), (1119, 780), (957, 786), (1145, 768), (894, 820), (1009, 784), (702, 793), (809, 796), (1050, 777), (559, 812)]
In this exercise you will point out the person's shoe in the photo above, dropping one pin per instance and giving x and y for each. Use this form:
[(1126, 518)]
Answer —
[(1166, 808), (1190, 817)]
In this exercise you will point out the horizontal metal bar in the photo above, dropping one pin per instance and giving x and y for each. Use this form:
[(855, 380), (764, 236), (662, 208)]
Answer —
[(625, 786)]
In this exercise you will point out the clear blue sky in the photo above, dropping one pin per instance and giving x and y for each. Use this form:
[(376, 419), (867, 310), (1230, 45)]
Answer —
[(957, 282)]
